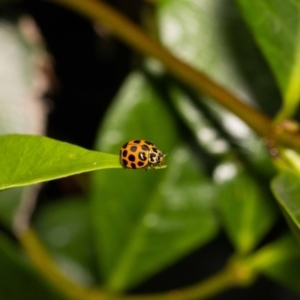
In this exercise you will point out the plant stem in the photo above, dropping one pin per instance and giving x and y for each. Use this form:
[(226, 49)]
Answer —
[(227, 278), (134, 36), (234, 274), (131, 34)]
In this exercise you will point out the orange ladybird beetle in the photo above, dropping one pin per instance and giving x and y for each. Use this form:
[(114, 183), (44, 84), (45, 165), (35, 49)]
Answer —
[(139, 154)]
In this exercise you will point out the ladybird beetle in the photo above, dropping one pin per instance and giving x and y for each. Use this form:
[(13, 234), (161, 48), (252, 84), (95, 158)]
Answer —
[(138, 154)]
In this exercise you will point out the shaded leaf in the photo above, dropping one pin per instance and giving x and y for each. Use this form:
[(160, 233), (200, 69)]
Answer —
[(147, 220), (280, 260), (9, 201), (18, 280), (246, 211), (212, 36), (275, 26), (286, 188)]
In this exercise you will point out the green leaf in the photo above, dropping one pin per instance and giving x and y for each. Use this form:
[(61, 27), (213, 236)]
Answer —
[(18, 279), (286, 188), (191, 30), (27, 159), (279, 260), (194, 30), (145, 221), (212, 36), (276, 27), (246, 211)]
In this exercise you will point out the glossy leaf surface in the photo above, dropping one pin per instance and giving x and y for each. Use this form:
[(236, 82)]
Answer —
[(212, 36), (275, 26), (29, 159)]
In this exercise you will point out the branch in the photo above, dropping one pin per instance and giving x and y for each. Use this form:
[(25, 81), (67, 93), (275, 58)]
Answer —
[(236, 273), (132, 35)]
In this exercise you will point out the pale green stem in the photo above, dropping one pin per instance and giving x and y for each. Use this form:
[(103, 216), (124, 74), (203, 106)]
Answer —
[(235, 274)]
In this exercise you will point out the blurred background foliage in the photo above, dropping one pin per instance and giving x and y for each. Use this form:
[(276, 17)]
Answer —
[(140, 232)]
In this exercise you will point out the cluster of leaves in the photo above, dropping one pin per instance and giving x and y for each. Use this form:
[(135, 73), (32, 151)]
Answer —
[(133, 224)]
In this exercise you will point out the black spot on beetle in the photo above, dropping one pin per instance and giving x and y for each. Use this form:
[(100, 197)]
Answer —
[(145, 147), (154, 150), (125, 152), (149, 143), (136, 141), (124, 161), (133, 148), (131, 157), (152, 158), (140, 164), (125, 145), (133, 166)]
